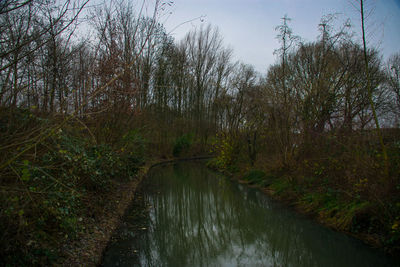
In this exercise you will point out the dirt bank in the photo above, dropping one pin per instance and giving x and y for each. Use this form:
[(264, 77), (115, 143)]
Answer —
[(88, 249)]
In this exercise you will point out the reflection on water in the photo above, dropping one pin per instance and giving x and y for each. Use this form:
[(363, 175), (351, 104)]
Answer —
[(200, 218)]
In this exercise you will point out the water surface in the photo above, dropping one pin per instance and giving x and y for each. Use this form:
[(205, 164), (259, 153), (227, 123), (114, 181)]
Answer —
[(191, 216)]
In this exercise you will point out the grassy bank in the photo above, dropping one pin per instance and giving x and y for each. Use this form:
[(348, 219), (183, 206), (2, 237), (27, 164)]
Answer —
[(344, 187)]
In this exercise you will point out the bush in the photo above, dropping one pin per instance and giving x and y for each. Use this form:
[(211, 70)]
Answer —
[(182, 144), (227, 150), (135, 145), (53, 190), (255, 177)]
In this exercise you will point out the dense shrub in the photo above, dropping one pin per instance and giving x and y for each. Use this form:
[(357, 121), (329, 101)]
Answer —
[(182, 144), (227, 152), (255, 176), (45, 196)]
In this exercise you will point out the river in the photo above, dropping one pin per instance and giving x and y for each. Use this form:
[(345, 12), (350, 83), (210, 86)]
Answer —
[(188, 215)]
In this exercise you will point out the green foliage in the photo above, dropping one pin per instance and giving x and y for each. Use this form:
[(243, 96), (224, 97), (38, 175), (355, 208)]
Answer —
[(280, 186), (226, 151), (93, 166), (345, 215), (393, 238), (255, 177), (26, 175), (233, 168), (319, 201), (340, 213), (135, 145), (182, 144), (45, 202), (33, 223)]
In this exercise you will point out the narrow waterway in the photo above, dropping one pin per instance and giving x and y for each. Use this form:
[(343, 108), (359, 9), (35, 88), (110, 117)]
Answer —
[(188, 215)]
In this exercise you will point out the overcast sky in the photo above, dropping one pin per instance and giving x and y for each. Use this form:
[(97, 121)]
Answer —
[(247, 26)]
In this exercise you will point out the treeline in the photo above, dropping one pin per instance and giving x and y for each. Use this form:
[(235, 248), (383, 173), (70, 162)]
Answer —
[(111, 80), (130, 67)]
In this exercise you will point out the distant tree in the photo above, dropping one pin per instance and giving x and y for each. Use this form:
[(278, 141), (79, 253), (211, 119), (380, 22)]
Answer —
[(26, 28), (203, 48), (278, 79), (393, 74)]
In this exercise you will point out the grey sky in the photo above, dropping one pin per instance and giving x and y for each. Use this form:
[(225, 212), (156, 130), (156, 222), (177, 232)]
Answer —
[(248, 25)]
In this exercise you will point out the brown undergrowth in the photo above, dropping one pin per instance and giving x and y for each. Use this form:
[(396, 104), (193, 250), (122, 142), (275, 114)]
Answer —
[(63, 189), (337, 180)]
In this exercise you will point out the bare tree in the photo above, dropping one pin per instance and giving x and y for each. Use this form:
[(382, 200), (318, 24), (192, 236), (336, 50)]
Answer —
[(369, 90), (393, 74), (280, 74), (203, 48)]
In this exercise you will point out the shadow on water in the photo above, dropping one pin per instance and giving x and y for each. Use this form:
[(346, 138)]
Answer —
[(187, 215)]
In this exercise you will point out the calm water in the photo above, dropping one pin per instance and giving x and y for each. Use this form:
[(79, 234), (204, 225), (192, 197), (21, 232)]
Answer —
[(195, 217)]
